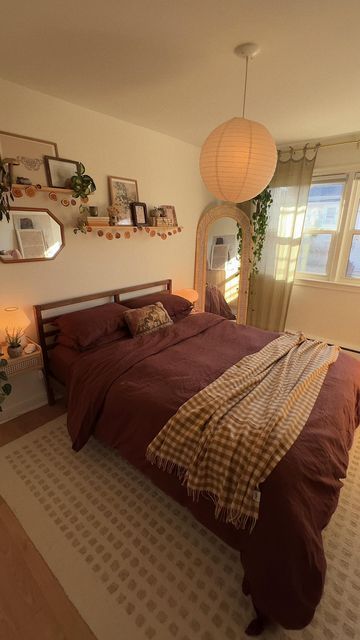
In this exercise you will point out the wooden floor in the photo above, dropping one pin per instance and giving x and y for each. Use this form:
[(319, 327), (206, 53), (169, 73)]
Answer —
[(33, 605)]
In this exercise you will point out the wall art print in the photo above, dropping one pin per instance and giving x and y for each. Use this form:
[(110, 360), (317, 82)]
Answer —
[(29, 153)]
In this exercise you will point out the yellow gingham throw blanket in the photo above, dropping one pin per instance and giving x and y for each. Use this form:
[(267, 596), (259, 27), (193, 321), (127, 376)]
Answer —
[(226, 440)]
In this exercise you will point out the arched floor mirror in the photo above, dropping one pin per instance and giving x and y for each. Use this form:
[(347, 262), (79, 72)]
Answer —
[(221, 278)]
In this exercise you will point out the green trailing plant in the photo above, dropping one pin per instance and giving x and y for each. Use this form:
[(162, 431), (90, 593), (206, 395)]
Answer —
[(82, 184), (259, 220), (81, 223), (5, 192), (5, 386), (13, 337)]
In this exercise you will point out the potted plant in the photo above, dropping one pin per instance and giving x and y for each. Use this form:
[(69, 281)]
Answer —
[(5, 386), (82, 184), (13, 339)]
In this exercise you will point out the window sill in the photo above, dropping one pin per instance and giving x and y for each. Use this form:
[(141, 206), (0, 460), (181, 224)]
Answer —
[(326, 284)]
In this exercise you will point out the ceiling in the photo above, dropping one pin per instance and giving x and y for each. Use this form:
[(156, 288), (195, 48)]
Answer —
[(169, 65)]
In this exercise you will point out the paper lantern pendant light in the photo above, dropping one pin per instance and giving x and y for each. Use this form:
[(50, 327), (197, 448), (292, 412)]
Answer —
[(238, 158)]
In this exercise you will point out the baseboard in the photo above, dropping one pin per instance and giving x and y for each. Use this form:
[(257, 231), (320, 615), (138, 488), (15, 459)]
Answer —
[(15, 410), (353, 353)]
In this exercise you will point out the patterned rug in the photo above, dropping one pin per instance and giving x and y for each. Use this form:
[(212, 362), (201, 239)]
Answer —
[(137, 566)]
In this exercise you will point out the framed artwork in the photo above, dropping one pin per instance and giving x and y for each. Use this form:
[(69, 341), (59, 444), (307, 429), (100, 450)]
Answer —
[(120, 216), (59, 170), (29, 153), (139, 212), (170, 214), (122, 192)]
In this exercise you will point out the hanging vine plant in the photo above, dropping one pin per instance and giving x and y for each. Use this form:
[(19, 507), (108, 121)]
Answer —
[(259, 220), (5, 389), (5, 192)]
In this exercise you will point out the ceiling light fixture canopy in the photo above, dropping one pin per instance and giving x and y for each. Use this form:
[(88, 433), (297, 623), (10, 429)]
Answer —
[(238, 159)]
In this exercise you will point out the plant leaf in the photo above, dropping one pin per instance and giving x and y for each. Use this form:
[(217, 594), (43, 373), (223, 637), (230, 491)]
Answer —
[(7, 388)]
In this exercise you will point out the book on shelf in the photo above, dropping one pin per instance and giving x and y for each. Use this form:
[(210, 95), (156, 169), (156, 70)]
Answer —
[(162, 222), (98, 221)]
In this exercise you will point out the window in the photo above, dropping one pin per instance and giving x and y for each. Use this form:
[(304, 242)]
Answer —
[(330, 242), (353, 237)]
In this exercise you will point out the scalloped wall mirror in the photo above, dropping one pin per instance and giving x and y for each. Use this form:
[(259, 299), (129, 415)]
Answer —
[(31, 235), (221, 278)]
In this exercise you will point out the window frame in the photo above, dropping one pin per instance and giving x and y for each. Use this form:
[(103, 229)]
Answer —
[(342, 237), (349, 232)]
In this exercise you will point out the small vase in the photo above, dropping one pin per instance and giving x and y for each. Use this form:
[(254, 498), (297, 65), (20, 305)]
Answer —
[(14, 352)]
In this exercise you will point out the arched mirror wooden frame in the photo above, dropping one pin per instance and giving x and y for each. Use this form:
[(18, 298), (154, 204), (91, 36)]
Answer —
[(208, 217)]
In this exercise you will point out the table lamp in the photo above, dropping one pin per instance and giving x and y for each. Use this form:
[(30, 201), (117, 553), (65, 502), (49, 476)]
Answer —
[(188, 294)]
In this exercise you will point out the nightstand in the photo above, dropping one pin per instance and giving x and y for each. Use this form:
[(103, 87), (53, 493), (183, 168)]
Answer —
[(25, 362)]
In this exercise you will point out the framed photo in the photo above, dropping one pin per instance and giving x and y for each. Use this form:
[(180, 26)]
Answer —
[(59, 170), (139, 212), (120, 216), (170, 214), (122, 192), (29, 153)]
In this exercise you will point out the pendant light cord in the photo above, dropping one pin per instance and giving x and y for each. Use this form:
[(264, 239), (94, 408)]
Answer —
[(245, 85)]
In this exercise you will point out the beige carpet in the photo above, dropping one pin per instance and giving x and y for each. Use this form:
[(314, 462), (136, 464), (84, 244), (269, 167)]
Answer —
[(137, 566)]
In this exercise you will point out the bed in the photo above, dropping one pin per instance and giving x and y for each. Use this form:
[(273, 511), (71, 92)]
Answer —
[(124, 392)]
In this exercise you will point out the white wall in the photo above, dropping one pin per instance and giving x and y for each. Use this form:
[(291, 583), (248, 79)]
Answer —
[(167, 173), (324, 310)]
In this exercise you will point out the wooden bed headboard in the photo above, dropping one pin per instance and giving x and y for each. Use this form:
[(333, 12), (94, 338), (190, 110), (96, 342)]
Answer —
[(47, 330)]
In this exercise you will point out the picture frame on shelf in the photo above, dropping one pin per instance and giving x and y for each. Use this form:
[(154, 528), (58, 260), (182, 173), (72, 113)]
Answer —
[(122, 192), (59, 171), (170, 214), (139, 212), (29, 153), (120, 216)]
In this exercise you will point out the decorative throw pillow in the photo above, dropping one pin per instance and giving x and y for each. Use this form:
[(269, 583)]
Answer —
[(147, 319), (176, 306)]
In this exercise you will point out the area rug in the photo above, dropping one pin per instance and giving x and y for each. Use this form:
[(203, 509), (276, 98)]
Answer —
[(137, 566)]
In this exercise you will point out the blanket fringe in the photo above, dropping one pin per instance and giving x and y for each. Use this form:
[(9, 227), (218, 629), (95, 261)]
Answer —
[(226, 514)]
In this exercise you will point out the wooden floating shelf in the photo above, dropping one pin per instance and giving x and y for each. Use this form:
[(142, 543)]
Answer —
[(47, 189), (124, 231)]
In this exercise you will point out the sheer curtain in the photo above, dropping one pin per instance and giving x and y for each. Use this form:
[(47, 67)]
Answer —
[(271, 287)]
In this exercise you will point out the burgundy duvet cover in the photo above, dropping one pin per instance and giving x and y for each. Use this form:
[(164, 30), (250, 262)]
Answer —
[(124, 393)]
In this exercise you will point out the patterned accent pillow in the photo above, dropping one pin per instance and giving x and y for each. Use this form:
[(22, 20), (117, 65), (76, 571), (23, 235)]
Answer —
[(147, 319), (176, 306)]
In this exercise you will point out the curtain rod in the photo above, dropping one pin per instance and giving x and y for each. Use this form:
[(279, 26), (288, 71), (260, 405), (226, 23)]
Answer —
[(323, 146)]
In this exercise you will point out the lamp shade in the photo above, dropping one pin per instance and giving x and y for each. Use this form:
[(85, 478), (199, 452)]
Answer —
[(188, 294), (238, 160), (13, 318)]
